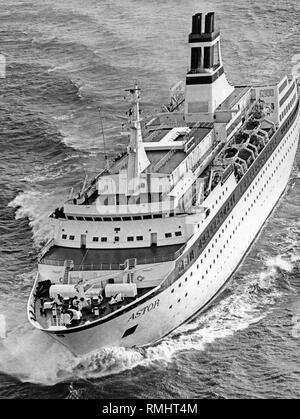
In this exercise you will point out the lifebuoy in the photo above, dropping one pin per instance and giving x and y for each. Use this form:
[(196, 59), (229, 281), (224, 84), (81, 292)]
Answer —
[(140, 278)]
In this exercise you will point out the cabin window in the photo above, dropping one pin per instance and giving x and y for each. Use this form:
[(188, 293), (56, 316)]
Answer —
[(95, 239), (168, 235), (130, 239), (104, 239), (140, 238), (178, 233), (64, 236), (181, 266), (72, 237), (117, 239)]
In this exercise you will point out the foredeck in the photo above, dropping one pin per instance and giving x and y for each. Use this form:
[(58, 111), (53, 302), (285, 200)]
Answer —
[(93, 259), (53, 317)]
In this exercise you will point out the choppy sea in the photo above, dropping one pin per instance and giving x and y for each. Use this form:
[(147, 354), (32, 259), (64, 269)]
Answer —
[(64, 61)]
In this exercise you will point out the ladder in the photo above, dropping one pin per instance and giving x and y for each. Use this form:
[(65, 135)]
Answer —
[(68, 266)]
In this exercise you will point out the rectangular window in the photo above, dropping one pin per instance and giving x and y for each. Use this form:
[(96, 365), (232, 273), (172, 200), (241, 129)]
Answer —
[(95, 239), (98, 219), (130, 239), (140, 238), (64, 236), (178, 233), (70, 217), (104, 239), (168, 235), (117, 239), (88, 219), (106, 219), (126, 218), (137, 217), (80, 219), (72, 237)]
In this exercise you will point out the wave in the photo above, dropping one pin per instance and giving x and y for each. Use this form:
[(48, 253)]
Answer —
[(34, 206)]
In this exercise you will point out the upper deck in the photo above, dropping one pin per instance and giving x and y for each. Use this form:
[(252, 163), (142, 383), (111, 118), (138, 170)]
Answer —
[(109, 259)]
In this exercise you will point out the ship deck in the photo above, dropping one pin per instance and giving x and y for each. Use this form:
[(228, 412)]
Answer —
[(84, 258), (46, 317)]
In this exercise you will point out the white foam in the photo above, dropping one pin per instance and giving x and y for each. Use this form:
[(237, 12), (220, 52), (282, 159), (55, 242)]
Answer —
[(35, 206), (281, 263)]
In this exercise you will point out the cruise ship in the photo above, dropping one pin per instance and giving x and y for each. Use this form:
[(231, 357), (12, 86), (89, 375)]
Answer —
[(153, 239)]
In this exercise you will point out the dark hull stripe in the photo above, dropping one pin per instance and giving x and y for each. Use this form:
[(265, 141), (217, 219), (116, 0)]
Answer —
[(204, 79), (210, 231)]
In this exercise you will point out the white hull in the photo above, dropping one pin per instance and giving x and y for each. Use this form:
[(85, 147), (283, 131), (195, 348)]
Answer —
[(194, 290)]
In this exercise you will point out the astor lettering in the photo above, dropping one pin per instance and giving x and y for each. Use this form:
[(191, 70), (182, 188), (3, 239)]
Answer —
[(144, 310)]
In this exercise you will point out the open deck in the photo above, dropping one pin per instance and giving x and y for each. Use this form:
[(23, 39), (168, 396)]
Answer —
[(109, 259), (53, 316)]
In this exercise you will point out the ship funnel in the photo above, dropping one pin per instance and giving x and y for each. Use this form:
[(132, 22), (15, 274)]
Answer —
[(197, 24), (206, 83), (210, 23)]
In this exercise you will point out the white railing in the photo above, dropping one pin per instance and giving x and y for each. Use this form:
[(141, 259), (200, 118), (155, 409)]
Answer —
[(46, 248)]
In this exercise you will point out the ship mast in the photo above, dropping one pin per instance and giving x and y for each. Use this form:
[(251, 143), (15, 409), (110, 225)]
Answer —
[(137, 160)]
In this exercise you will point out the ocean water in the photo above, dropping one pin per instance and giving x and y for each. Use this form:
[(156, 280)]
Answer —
[(64, 61)]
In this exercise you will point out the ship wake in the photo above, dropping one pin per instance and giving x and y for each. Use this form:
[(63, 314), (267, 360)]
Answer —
[(33, 357)]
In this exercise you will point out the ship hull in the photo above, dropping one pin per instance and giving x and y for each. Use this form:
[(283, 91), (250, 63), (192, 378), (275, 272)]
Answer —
[(196, 289)]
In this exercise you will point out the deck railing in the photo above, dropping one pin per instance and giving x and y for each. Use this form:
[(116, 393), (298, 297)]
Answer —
[(115, 266)]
